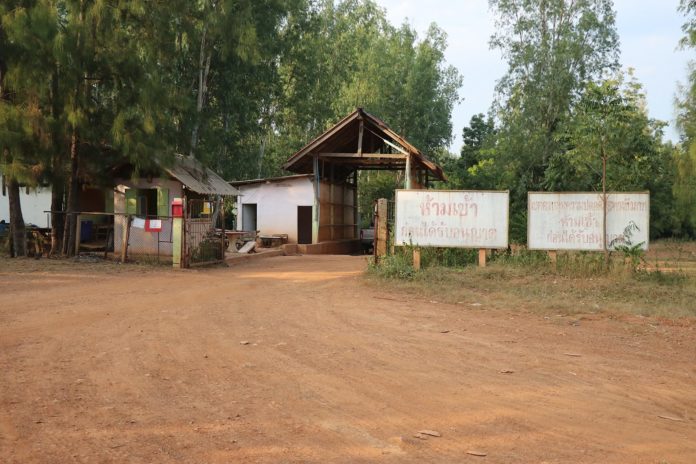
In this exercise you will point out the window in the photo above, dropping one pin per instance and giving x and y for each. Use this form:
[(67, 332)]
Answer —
[(151, 202)]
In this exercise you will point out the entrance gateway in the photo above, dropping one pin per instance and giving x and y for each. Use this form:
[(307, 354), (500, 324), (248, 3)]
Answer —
[(358, 142)]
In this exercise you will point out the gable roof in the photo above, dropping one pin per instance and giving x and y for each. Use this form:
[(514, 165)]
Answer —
[(190, 172), (343, 139)]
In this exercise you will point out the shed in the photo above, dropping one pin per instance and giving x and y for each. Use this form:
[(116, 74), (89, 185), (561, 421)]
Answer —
[(150, 197), (277, 205)]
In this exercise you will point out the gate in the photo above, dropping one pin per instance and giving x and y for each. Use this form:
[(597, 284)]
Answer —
[(204, 233)]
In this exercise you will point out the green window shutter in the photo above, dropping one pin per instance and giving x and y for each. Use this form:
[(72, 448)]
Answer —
[(162, 202), (131, 201), (109, 201)]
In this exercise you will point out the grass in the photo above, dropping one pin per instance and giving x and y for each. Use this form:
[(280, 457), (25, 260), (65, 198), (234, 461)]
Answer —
[(663, 286)]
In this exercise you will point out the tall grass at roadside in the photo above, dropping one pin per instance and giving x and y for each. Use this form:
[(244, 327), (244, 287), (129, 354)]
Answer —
[(578, 282)]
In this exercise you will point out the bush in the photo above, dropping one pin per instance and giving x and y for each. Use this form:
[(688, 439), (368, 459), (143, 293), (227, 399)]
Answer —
[(446, 257), (522, 257), (398, 266)]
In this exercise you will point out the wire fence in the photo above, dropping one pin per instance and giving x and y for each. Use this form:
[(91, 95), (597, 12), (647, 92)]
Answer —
[(205, 239), (122, 237), (143, 239)]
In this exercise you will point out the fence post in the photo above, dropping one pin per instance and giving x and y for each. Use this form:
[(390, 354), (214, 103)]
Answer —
[(416, 259), (381, 234), (482, 257), (222, 229), (177, 237), (553, 256), (78, 233), (124, 239)]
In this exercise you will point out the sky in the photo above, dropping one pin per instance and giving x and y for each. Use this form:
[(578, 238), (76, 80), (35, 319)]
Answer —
[(649, 32)]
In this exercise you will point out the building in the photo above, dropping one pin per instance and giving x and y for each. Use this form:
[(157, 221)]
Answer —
[(277, 206), (327, 169)]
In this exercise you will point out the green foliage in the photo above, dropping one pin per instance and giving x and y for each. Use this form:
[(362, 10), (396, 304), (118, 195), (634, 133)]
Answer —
[(374, 185), (685, 154), (397, 266), (659, 277), (448, 257), (631, 252), (347, 55), (582, 264), (553, 48), (522, 257)]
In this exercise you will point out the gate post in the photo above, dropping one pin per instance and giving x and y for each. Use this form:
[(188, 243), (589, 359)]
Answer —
[(381, 232), (177, 232)]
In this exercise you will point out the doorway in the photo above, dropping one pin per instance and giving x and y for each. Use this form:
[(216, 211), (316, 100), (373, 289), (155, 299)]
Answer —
[(249, 216), (304, 225)]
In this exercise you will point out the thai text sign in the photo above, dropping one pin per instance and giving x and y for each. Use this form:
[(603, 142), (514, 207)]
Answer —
[(573, 221), (452, 218)]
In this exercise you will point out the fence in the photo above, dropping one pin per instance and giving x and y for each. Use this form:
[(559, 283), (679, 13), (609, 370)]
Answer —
[(148, 238), (123, 236), (204, 233)]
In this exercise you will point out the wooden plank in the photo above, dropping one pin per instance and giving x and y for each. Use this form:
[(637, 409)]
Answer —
[(381, 231)]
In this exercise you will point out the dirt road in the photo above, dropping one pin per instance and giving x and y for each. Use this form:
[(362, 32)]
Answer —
[(299, 359)]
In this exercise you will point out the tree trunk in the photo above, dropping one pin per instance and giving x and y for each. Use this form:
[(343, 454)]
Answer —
[(57, 175), (57, 219), (72, 203), (18, 235), (203, 70)]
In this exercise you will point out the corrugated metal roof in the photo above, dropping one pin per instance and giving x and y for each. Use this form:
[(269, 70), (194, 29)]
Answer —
[(238, 183), (190, 172)]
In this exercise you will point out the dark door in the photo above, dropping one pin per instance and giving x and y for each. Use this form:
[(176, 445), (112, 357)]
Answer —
[(249, 216), (304, 224)]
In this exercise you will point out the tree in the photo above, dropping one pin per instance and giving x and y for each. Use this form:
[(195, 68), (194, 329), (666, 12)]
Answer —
[(26, 34), (473, 168), (685, 153), (613, 145), (553, 48)]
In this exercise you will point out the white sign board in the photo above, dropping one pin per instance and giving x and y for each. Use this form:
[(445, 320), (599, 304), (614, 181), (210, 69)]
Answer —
[(452, 218), (573, 221)]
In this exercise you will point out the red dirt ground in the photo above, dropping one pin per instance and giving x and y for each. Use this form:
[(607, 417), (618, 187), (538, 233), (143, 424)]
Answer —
[(300, 359)]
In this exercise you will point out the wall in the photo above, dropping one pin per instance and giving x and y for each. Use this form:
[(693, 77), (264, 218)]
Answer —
[(33, 206), (142, 242), (337, 217), (277, 202)]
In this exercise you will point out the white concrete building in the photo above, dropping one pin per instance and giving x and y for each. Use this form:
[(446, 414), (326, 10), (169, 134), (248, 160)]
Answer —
[(279, 205), (33, 204)]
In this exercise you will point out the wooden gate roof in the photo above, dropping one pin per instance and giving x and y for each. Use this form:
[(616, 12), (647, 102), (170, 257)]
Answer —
[(362, 141)]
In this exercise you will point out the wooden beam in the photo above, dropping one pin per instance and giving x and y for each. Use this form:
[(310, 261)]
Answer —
[(360, 136), (362, 155)]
